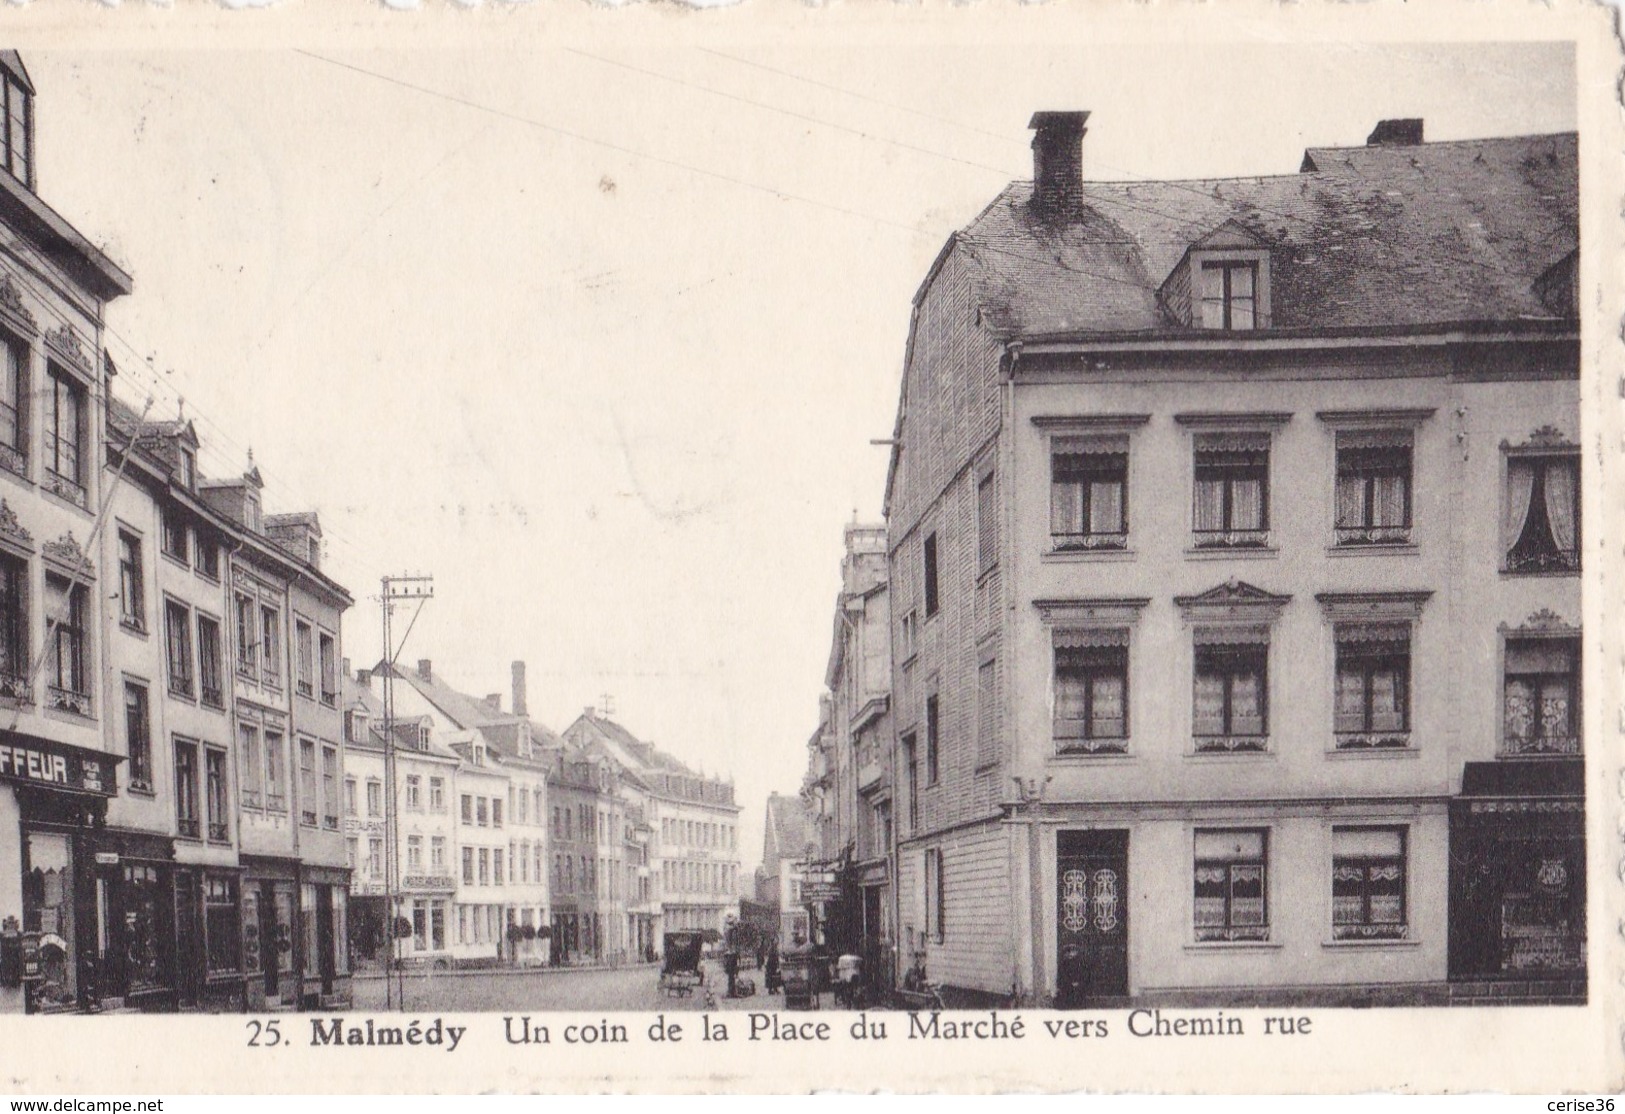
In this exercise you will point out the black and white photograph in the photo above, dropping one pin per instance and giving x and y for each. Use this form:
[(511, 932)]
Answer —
[(518, 538)]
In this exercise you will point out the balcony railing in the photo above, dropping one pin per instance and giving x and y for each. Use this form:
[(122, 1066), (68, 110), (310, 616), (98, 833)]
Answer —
[(66, 700), (1368, 931), (1231, 744), (1232, 539), (14, 686), (212, 695), (1091, 746), (1373, 535), (188, 829), (1539, 746), (218, 832), (1547, 560), (1373, 740), (1117, 540)]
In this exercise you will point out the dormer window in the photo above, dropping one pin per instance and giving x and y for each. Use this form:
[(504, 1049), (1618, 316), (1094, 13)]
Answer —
[(188, 470), (252, 514), (423, 736), (1229, 289), (19, 131)]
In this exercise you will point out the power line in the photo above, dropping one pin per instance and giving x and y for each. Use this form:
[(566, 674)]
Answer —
[(1000, 170), (862, 96)]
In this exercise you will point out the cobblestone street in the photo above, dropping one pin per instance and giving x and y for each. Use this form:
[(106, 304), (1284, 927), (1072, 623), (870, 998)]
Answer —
[(625, 988)]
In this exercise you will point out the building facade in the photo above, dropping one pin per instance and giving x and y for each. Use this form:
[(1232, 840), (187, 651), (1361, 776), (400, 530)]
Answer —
[(1234, 537)]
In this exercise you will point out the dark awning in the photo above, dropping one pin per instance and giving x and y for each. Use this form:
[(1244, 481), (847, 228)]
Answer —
[(1564, 777)]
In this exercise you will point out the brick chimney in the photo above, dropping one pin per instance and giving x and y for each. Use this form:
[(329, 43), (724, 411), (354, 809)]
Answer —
[(1396, 133), (425, 669), (1058, 163), (520, 705)]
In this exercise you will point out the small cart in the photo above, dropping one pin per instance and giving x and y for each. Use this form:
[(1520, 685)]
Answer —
[(800, 973), (682, 969)]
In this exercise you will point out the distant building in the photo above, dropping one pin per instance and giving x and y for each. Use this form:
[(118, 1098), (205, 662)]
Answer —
[(789, 842), (693, 822)]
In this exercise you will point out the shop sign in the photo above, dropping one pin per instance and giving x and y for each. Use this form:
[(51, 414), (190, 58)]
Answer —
[(34, 761), (353, 825), (429, 882), (107, 858), (820, 891), (367, 889)]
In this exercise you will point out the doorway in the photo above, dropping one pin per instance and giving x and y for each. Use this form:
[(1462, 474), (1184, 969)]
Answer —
[(1091, 917)]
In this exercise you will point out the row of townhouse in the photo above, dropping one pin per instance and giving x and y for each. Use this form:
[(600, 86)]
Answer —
[(1234, 575), (170, 753), (505, 842)]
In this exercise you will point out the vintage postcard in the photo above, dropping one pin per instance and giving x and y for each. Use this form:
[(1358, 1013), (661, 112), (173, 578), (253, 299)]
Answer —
[(1050, 547)]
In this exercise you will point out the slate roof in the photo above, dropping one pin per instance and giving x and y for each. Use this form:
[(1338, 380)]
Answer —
[(1411, 236), (788, 829), (472, 713)]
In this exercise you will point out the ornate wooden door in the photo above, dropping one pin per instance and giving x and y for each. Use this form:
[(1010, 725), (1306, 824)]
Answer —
[(1091, 916)]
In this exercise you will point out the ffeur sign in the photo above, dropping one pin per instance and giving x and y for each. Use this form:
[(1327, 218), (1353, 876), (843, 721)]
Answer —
[(57, 765)]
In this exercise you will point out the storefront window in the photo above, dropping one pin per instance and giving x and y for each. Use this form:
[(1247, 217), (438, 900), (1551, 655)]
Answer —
[(48, 910), (307, 929), (137, 936), (222, 924), (341, 930), (437, 926)]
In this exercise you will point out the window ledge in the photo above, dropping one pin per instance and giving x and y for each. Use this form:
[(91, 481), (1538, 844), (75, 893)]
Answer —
[(1373, 752), (1371, 945), (1516, 575), (1099, 758), (1403, 549), (1074, 556), (173, 559), (130, 626), (1232, 553), (1225, 757), (1233, 946)]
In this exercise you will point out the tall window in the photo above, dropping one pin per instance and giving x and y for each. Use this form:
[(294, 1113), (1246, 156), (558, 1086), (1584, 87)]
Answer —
[(328, 660), (271, 646), (1231, 895), (1091, 692), (305, 649), (987, 523), (1542, 704), (936, 902), (485, 866), (14, 663), (66, 605), (933, 740), (208, 556), (1231, 688), (437, 794), (468, 808), (350, 801), (1373, 686), (186, 812), (65, 429), (375, 798), (330, 788), (911, 762), (496, 866), (1542, 528), (132, 602), (375, 857), (496, 812), (19, 133), (276, 771), (138, 736), (1232, 490), (414, 792), (307, 782), (1373, 487), (1088, 506), (214, 778), (1368, 883), (437, 853), (414, 853), (11, 394), (1230, 295), (468, 866), (178, 647), (208, 662), (253, 764), (930, 552), (247, 637), (173, 536)]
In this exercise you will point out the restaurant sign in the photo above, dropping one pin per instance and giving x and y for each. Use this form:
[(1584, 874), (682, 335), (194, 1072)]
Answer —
[(428, 882), (35, 761)]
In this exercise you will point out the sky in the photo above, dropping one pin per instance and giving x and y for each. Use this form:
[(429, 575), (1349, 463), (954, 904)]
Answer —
[(599, 336)]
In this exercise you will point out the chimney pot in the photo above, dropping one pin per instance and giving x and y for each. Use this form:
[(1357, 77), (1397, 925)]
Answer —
[(521, 706), (1396, 133), (425, 669), (1058, 163)]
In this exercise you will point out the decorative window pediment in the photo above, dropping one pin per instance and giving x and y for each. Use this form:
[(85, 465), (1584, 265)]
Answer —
[(12, 531), (1232, 601), (66, 553), (1087, 612), (1381, 608), (12, 310), (70, 351)]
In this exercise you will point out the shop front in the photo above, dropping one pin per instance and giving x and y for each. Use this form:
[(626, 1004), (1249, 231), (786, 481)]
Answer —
[(136, 951), (53, 929), (324, 901), (1517, 874), (270, 908)]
